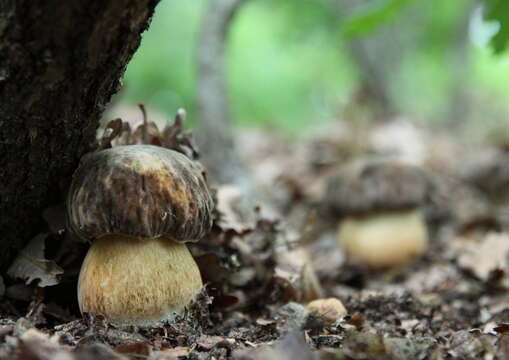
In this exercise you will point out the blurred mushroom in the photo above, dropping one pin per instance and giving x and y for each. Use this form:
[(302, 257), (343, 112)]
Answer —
[(381, 203), (489, 172), (474, 215), (138, 205)]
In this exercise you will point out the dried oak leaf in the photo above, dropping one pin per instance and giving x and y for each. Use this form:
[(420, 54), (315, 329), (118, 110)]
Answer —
[(141, 348), (173, 136), (176, 138), (211, 268), (208, 342), (486, 257), (171, 354), (39, 346), (503, 348), (292, 346), (98, 351), (31, 264), (234, 213), (295, 265), (112, 130), (502, 328)]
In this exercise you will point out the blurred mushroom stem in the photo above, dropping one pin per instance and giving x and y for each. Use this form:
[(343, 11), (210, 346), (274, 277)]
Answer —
[(384, 239), (137, 281)]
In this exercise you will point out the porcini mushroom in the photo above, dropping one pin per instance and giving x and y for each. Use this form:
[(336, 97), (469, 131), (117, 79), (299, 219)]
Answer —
[(381, 204), (138, 205)]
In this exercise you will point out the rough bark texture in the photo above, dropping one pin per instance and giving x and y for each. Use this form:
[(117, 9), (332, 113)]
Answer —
[(60, 63), (215, 135)]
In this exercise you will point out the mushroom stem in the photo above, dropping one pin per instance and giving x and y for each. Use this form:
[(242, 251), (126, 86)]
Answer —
[(137, 281), (384, 239)]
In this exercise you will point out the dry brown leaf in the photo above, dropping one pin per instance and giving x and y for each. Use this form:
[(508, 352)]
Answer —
[(113, 129), (171, 354), (293, 346), (208, 342), (487, 256), (296, 266), (37, 345), (233, 215), (31, 264), (142, 348)]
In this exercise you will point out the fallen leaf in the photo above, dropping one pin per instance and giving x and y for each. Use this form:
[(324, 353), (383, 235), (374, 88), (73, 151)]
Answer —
[(113, 129), (138, 348), (292, 346), (208, 342), (211, 268), (176, 138), (37, 345), (489, 255), (235, 212), (502, 328), (31, 264), (171, 354)]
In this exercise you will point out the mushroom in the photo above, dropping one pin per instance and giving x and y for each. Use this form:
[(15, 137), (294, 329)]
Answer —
[(138, 205), (381, 202)]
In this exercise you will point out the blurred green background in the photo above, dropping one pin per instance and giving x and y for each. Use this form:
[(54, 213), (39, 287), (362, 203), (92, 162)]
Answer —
[(290, 63)]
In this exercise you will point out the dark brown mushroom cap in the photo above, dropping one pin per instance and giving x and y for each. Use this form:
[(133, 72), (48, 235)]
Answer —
[(139, 190), (471, 208), (366, 186), (490, 174)]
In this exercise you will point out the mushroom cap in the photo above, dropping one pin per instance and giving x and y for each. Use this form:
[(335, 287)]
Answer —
[(489, 172), (370, 185), (139, 190)]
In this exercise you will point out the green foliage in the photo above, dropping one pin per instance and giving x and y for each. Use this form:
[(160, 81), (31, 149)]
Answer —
[(162, 72), (286, 67), (289, 68), (373, 15), (498, 10)]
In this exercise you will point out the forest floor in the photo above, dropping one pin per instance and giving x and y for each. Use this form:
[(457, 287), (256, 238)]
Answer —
[(265, 260)]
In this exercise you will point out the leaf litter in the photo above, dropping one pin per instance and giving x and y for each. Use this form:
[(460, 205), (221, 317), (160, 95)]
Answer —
[(261, 271)]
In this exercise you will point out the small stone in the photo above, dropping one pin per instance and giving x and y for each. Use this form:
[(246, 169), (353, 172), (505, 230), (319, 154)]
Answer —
[(330, 309)]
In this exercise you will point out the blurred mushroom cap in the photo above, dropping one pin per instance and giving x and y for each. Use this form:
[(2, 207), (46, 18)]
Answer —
[(139, 190), (370, 185)]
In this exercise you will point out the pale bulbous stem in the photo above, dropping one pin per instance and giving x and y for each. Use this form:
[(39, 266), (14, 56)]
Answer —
[(137, 281), (384, 239)]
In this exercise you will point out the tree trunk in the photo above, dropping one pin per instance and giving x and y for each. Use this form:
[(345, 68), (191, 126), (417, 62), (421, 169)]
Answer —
[(60, 63), (215, 133), (375, 56), (460, 67)]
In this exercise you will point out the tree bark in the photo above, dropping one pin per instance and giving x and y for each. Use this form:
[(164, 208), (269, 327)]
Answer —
[(375, 57), (460, 60), (215, 133), (60, 63)]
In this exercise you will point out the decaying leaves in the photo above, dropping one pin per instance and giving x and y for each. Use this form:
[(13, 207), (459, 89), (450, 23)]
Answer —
[(486, 256), (31, 264)]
